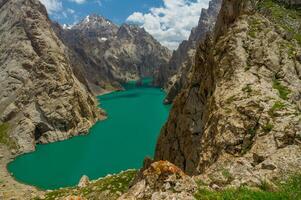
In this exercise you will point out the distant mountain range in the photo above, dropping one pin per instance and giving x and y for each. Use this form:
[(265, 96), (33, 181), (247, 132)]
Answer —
[(112, 54)]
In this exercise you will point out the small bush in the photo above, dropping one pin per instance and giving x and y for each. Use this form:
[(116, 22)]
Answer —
[(283, 90), (226, 173), (230, 99), (5, 138), (247, 88), (268, 128), (254, 27), (278, 105)]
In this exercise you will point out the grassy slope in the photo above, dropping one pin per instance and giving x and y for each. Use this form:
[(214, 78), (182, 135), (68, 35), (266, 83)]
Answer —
[(288, 19), (5, 138), (290, 190), (112, 186)]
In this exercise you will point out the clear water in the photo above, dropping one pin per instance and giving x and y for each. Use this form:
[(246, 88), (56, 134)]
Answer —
[(121, 142)]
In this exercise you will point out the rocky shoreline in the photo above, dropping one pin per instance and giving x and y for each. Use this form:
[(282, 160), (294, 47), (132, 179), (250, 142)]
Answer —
[(10, 188)]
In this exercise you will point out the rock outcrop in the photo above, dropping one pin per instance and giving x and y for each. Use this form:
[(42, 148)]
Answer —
[(237, 121), (84, 181), (175, 75), (114, 54), (40, 96), (162, 180)]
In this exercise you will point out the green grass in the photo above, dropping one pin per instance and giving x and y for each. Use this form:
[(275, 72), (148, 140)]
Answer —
[(278, 105), (226, 173), (255, 26), (268, 127), (247, 68), (247, 88), (230, 99), (5, 138), (115, 185), (288, 18), (251, 131), (291, 190), (282, 90)]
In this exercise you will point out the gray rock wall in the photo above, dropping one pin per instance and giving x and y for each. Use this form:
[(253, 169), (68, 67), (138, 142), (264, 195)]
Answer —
[(40, 97)]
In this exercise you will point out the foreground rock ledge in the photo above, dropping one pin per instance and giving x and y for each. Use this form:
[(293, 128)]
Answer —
[(162, 180)]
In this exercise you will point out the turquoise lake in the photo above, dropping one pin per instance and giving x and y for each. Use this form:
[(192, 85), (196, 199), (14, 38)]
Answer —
[(135, 117)]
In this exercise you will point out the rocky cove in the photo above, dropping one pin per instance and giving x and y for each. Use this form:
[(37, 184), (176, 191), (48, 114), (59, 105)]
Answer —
[(135, 117)]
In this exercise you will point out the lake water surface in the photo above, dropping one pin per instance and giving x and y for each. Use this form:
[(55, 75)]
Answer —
[(121, 142)]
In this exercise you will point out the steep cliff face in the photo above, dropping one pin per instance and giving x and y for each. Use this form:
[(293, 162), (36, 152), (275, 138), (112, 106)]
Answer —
[(176, 75), (240, 112), (40, 97), (114, 54)]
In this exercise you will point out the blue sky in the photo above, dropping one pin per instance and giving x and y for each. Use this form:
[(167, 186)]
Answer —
[(169, 21), (115, 10)]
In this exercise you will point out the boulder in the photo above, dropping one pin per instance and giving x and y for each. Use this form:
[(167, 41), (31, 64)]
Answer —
[(84, 181), (160, 180)]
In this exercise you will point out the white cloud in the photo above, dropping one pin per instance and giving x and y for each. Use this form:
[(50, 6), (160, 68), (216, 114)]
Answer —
[(171, 23), (98, 2), (57, 11), (78, 1), (71, 11), (52, 6)]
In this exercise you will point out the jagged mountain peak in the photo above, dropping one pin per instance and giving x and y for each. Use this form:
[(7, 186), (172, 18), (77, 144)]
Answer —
[(130, 31), (67, 26), (95, 21)]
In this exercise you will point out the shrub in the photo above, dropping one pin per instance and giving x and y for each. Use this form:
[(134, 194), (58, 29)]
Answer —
[(283, 90), (268, 128), (278, 105)]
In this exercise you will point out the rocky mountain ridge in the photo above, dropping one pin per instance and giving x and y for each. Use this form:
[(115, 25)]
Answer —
[(175, 75), (41, 98), (240, 113), (114, 54)]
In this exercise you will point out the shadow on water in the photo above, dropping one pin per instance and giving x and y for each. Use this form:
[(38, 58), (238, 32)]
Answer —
[(118, 96), (131, 87)]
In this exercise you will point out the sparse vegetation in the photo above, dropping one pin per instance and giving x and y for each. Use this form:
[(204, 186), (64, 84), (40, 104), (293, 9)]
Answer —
[(288, 18), (291, 190), (268, 127), (251, 131), (255, 26), (5, 138), (230, 99), (247, 68), (283, 90), (278, 105), (247, 88), (226, 173), (114, 186), (266, 186)]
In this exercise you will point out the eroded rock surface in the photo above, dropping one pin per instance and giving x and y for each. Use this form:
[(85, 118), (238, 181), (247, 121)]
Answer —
[(162, 180), (238, 120), (176, 74), (40, 97)]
